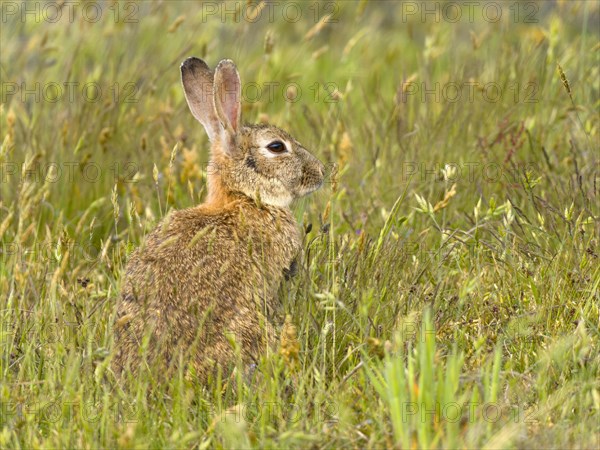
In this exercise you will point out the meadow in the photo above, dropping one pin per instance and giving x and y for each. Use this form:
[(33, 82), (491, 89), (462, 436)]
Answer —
[(447, 296)]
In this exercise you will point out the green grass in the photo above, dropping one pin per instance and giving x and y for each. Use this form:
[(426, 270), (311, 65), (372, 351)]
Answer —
[(434, 309)]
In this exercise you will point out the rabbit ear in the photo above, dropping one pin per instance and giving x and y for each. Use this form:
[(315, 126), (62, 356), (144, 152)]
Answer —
[(197, 80), (227, 97)]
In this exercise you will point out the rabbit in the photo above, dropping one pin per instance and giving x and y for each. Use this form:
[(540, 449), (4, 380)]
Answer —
[(212, 272)]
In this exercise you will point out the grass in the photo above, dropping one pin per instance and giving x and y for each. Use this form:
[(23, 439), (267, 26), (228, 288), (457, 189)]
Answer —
[(448, 292)]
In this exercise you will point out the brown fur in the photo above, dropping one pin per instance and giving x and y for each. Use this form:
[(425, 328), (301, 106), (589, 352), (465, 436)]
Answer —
[(213, 270)]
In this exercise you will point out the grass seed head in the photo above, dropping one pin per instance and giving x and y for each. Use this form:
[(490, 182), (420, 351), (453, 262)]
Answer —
[(563, 78)]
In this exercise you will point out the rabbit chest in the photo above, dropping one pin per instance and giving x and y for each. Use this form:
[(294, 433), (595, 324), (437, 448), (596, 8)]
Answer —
[(269, 240)]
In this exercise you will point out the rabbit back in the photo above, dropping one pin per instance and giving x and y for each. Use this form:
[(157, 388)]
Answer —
[(201, 275)]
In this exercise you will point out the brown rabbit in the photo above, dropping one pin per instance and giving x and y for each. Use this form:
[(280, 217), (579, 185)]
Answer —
[(213, 270)]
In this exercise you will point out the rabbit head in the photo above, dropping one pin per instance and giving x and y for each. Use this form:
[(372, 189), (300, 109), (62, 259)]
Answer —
[(259, 161)]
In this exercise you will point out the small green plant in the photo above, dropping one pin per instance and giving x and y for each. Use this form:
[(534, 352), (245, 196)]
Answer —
[(429, 399)]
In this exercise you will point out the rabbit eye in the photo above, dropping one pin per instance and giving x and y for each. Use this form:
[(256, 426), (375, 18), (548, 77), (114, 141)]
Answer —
[(276, 147)]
